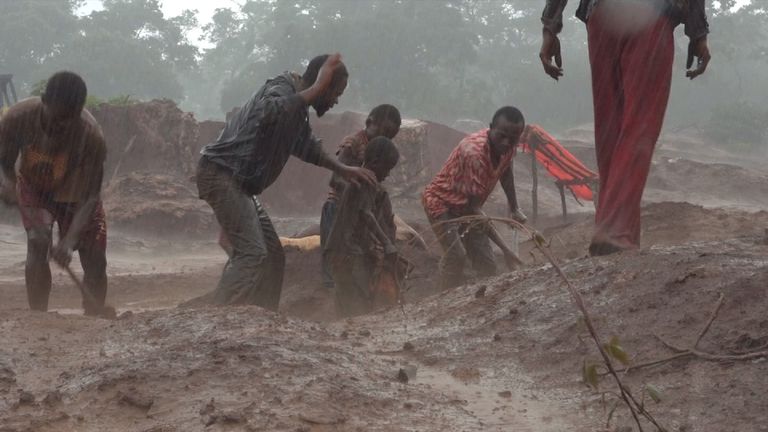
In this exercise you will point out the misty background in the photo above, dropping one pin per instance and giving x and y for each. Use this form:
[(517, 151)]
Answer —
[(435, 59)]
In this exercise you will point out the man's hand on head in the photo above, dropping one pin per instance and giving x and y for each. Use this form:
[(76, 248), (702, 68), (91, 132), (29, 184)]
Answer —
[(550, 49), (700, 50), (325, 75)]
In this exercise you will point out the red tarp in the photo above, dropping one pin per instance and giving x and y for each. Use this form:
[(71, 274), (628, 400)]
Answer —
[(558, 161)]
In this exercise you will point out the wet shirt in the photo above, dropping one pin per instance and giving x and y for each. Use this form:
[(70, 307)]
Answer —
[(469, 172), (60, 168), (691, 12), (256, 143), (352, 233), (351, 152)]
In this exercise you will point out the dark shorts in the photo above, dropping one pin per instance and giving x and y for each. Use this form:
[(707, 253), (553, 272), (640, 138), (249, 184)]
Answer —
[(39, 211)]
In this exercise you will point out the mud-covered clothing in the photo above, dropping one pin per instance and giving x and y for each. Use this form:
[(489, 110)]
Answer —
[(327, 215), (351, 152), (256, 143), (64, 168), (57, 174), (361, 239), (459, 244), (690, 12), (254, 273), (468, 173), (39, 212)]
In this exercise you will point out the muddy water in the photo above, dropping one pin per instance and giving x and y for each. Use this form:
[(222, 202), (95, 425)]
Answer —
[(493, 408)]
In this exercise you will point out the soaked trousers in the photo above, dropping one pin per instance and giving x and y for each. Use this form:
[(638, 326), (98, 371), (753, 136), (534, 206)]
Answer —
[(353, 275), (459, 244), (254, 273), (326, 222), (631, 75)]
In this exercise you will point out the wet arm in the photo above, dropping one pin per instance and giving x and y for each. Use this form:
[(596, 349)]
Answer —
[(86, 207), (552, 17), (508, 184), (373, 225), (346, 157), (696, 25), (10, 147)]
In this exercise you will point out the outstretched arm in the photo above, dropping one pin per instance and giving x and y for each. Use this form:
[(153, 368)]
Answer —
[(552, 19)]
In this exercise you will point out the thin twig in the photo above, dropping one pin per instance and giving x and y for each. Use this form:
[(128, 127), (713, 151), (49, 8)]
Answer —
[(695, 352), (711, 318), (539, 242)]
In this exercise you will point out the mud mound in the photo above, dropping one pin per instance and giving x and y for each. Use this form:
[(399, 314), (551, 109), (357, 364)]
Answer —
[(665, 223), (152, 137), (711, 184), (304, 296), (521, 332), (209, 369), (156, 204)]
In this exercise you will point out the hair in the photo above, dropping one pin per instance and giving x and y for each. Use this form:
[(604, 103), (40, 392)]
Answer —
[(383, 150), (65, 89), (385, 112), (313, 68), (510, 113)]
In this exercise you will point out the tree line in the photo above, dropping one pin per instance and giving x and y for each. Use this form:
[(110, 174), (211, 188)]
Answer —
[(439, 59)]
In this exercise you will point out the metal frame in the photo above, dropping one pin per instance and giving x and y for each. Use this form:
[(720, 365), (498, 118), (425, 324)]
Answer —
[(7, 91)]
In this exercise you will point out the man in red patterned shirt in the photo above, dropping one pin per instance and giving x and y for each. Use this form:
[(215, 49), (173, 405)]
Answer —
[(461, 188)]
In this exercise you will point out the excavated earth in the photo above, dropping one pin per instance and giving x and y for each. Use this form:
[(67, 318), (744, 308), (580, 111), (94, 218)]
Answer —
[(504, 353), (499, 354)]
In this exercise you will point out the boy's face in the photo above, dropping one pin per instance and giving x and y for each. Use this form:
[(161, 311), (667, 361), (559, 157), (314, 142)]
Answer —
[(385, 128), (381, 170)]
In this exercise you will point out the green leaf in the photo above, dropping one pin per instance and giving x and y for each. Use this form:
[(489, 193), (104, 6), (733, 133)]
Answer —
[(589, 375), (653, 392), (616, 351)]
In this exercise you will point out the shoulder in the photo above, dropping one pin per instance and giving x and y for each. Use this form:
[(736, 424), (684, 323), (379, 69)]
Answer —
[(24, 109), (94, 136), (281, 85), (473, 145)]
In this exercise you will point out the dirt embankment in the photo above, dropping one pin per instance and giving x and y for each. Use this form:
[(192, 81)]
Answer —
[(503, 354)]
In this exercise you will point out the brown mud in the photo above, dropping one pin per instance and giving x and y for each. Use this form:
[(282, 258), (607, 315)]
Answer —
[(503, 353)]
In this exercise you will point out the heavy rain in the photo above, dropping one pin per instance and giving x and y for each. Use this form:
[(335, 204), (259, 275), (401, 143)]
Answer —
[(383, 215)]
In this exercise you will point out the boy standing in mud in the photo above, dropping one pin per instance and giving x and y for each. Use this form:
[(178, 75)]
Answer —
[(62, 151), (384, 120), (247, 158), (361, 241), (461, 188)]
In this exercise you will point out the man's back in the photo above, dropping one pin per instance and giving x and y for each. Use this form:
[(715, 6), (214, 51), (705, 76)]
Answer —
[(256, 143)]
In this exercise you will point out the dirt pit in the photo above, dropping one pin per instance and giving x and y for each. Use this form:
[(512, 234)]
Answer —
[(505, 353)]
